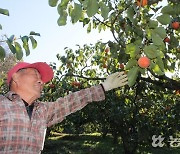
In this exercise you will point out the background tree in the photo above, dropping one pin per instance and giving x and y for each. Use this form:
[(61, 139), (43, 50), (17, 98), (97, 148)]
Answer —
[(134, 114)]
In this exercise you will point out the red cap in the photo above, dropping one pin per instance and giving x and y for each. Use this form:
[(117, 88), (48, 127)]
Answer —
[(44, 69)]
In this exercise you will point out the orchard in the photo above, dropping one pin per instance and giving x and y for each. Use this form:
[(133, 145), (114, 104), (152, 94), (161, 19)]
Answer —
[(150, 103)]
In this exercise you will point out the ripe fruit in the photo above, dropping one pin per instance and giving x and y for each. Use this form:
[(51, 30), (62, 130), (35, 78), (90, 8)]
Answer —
[(175, 25), (51, 86), (121, 66), (123, 25), (144, 62), (177, 92), (107, 50), (167, 40), (104, 66), (76, 84), (167, 108), (142, 2), (69, 65)]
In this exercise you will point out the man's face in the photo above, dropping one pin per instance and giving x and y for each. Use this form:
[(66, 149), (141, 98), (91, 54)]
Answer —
[(29, 81)]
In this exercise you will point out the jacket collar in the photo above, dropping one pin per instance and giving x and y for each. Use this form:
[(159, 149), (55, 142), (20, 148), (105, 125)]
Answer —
[(11, 95)]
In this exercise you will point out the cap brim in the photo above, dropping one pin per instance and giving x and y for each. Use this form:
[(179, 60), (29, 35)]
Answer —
[(44, 69)]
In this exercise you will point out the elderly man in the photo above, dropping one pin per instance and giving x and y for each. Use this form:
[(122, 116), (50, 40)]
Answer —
[(23, 119)]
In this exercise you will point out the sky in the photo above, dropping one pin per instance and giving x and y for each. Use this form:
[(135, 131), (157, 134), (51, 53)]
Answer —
[(37, 15)]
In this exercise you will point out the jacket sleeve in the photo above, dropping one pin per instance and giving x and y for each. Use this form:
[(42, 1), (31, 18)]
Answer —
[(63, 106)]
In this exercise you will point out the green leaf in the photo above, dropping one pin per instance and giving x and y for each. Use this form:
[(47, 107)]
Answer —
[(157, 40), (151, 51), (138, 41), (33, 41), (2, 53), (89, 28), (153, 24), (19, 52), (168, 10), (85, 21), (160, 63), (62, 20), (34, 33), (160, 31), (131, 63), (64, 3), (164, 19), (4, 12), (160, 54), (174, 41), (11, 47), (26, 47), (52, 3), (63, 15), (25, 44), (84, 3), (25, 39), (76, 13), (132, 75), (130, 14), (11, 38), (132, 49), (177, 9), (157, 70), (92, 7), (148, 33), (104, 10), (138, 31)]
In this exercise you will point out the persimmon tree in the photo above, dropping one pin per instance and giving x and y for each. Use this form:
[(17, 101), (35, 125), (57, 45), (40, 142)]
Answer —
[(134, 114), (137, 30), (150, 103)]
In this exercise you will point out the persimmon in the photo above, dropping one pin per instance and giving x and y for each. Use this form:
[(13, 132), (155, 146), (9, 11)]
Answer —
[(107, 50), (51, 86), (121, 66), (175, 25), (76, 84), (142, 2), (167, 39), (144, 62), (177, 92), (104, 66)]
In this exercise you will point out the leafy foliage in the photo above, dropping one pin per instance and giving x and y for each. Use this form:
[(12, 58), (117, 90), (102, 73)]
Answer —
[(137, 30), (13, 44), (150, 103), (134, 114)]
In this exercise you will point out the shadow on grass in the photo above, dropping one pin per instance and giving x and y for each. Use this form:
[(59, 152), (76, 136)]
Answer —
[(94, 144), (81, 144)]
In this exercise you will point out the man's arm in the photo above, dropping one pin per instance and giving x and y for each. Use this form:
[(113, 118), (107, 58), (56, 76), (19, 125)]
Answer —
[(58, 110), (73, 102)]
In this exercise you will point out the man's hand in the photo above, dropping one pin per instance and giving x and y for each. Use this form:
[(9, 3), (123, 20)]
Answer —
[(115, 80)]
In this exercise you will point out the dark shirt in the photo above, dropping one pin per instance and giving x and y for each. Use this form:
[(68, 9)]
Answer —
[(29, 108)]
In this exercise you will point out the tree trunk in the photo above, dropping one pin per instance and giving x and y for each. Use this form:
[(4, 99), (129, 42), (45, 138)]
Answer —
[(130, 146)]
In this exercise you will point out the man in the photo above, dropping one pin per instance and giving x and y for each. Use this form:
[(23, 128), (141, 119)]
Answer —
[(23, 120)]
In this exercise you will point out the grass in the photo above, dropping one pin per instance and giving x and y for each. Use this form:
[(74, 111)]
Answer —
[(93, 144)]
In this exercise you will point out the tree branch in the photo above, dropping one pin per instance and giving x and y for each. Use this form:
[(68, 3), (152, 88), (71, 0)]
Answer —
[(170, 84), (81, 76)]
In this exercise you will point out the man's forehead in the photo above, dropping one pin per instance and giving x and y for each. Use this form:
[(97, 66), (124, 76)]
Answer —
[(29, 69)]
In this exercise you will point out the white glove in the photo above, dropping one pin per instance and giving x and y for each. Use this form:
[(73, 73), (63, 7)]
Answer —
[(115, 80)]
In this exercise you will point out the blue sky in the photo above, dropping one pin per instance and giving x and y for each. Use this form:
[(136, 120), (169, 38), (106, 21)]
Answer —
[(38, 16)]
